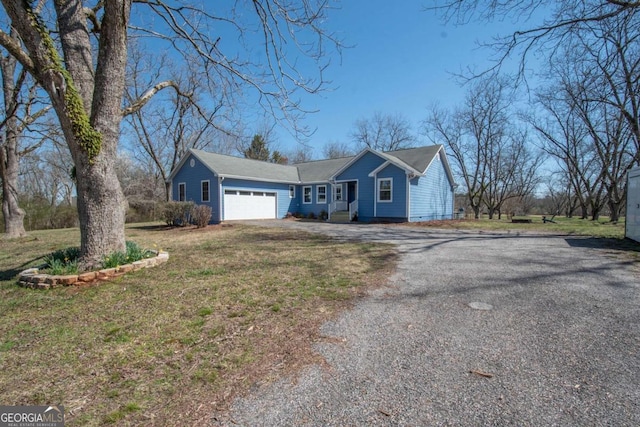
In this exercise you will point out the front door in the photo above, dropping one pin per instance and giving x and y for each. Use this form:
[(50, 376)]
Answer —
[(352, 191)]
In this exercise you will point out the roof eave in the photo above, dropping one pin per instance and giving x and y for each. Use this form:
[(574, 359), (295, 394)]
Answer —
[(251, 178)]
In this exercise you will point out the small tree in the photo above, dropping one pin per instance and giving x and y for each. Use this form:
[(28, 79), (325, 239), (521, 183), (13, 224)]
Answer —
[(258, 149)]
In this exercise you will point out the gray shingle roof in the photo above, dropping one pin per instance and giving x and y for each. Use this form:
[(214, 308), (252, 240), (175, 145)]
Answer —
[(320, 170), (412, 159), (230, 166), (417, 158)]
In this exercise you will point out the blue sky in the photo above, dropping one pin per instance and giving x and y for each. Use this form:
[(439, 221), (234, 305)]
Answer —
[(401, 62)]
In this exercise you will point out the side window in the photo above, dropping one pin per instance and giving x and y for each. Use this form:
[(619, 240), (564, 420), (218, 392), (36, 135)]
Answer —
[(306, 191), (321, 196), (182, 192), (385, 187), (205, 191)]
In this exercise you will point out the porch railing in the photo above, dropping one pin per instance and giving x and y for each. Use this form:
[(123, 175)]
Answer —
[(332, 209), (337, 205), (353, 209), (341, 205)]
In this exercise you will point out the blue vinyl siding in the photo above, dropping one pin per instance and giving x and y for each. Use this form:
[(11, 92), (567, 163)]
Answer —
[(283, 202), (313, 207), (432, 195), (360, 171), (398, 207), (193, 177)]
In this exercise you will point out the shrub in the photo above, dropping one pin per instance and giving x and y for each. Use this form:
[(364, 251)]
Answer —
[(201, 215), (323, 215), (177, 214), (311, 215)]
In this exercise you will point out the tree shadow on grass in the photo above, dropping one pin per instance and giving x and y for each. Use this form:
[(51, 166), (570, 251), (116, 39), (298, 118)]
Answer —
[(151, 227), (12, 273)]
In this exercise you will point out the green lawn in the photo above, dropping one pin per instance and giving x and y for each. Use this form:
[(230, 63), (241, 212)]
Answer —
[(169, 345), (601, 228)]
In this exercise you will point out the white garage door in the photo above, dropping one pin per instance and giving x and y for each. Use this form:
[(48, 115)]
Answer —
[(249, 205)]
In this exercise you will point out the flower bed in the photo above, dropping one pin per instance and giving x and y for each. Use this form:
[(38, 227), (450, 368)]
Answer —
[(31, 278)]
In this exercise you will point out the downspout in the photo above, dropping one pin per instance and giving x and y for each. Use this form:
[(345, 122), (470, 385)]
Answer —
[(408, 197), (454, 187), (332, 183), (375, 195), (220, 179)]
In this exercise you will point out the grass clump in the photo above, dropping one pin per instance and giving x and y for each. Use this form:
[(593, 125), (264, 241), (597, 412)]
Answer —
[(133, 253), (63, 261)]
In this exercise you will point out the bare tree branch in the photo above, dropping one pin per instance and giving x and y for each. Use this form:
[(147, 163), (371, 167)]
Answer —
[(146, 97)]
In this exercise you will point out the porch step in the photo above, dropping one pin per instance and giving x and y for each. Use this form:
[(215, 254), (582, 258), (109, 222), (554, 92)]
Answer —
[(340, 216)]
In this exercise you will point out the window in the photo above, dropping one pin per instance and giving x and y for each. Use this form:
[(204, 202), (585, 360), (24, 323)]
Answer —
[(182, 192), (321, 195), (337, 192), (205, 190), (306, 191), (385, 187), (292, 191)]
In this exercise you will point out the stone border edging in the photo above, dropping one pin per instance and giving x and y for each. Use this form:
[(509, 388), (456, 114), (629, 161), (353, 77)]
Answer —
[(31, 278)]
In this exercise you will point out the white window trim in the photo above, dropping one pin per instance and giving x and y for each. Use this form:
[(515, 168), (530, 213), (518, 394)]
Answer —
[(182, 185), (292, 194), (390, 190), (208, 191), (304, 200), (318, 202)]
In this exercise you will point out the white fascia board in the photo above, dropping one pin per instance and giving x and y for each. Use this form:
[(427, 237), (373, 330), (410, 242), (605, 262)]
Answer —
[(182, 161), (374, 172), (180, 164), (249, 178), (315, 182), (407, 171)]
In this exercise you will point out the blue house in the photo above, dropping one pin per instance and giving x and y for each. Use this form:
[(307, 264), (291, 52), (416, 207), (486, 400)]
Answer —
[(414, 184)]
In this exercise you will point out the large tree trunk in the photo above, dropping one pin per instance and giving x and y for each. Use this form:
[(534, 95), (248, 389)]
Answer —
[(167, 191), (615, 208), (11, 211), (476, 211), (9, 157), (101, 210)]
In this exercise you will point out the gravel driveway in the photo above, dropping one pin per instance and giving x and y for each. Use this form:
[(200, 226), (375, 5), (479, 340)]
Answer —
[(553, 340)]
